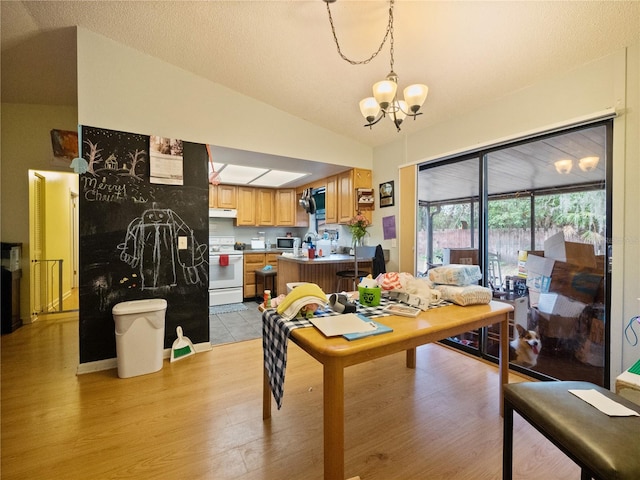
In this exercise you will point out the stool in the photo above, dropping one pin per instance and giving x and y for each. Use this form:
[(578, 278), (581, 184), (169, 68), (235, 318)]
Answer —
[(349, 275), (603, 447), (360, 254), (264, 275)]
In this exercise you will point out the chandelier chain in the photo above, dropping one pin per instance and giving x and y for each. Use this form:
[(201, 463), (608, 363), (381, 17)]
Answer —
[(388, 33)]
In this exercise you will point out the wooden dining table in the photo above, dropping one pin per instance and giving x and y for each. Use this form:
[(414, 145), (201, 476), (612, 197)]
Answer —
[(337, 353)]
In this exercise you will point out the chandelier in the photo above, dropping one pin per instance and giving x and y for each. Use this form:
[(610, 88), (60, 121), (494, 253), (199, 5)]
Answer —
[(385, 102)]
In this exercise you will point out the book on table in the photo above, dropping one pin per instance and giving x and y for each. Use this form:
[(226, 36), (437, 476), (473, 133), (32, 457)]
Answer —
[(346, 324), (349, 325), (380, 328)]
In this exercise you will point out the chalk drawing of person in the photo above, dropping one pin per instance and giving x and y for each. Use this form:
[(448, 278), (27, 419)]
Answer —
[(151, 245)]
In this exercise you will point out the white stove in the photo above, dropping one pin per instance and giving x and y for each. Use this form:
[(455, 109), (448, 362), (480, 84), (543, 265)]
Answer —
[(225, 271)]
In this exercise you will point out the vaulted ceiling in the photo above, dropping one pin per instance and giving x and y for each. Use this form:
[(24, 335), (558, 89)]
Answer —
[(283, 53)]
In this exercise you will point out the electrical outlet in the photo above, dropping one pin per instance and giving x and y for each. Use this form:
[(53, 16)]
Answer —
[(182, 243)]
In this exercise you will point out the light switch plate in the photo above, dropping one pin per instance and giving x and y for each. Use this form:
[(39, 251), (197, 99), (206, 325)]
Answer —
[(182, 243)]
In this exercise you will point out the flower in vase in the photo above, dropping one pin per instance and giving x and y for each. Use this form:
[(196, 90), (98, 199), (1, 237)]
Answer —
[(358, 226)]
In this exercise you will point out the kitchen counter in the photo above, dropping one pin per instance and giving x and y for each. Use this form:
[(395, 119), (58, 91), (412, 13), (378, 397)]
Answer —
[(333, 258), (321, 270)]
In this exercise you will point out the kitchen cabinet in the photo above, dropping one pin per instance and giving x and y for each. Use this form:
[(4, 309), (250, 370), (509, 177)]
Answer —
[(246, 206), (302, 217), (347, 184), (255, 261), (286, 202), (331, 200), (269, 207), (265, 214), (223, 196)]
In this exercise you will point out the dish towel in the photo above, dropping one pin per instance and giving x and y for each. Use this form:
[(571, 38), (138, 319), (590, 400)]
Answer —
[(275, 336), (224, 260)]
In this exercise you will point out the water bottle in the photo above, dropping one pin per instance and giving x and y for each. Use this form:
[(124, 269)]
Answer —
[(267, 299)]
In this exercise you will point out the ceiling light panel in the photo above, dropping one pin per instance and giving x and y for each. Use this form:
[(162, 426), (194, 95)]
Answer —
[(277, 178), (235, 174)]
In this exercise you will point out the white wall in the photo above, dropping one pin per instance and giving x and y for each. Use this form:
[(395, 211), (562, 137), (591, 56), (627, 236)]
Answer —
[(123, 89), (608, 83)]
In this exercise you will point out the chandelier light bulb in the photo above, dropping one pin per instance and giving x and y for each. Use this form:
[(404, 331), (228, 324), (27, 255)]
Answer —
[(369, 108), (588, 164), (415, 95), (398, 112), (385, 92)]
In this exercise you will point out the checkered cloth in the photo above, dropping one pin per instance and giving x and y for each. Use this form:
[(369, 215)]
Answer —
[(275, 336)]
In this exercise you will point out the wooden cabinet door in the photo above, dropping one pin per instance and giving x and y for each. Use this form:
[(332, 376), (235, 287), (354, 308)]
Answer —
[(227, 196), (246, 206), (252, 262), (346, 196), (331, 200), (272, 259), (213, 196), (286, 207), (302, 217), (361, 178), (265, 207)]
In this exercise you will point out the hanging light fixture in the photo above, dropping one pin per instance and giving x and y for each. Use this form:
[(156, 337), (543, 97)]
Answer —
[(385, 102), (588, 164), (563, 167)]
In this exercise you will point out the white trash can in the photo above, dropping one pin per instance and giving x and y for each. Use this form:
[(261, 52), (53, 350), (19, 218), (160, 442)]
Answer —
[(139, 336)]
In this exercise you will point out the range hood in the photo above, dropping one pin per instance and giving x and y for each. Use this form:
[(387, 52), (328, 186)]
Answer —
[(223, 213)]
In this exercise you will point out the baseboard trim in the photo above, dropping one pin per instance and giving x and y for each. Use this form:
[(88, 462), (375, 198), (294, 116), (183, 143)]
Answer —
[(111, 363)]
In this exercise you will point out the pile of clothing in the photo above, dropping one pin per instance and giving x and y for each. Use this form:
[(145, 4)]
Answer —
[(450, 283)]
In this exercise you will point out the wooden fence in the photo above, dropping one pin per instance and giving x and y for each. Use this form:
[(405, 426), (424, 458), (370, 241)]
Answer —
[(506, 243)]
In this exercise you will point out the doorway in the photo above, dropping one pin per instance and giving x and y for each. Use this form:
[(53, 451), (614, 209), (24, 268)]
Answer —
[(53, 227)]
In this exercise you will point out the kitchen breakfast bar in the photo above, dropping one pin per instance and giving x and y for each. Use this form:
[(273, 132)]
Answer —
[(320, 270)]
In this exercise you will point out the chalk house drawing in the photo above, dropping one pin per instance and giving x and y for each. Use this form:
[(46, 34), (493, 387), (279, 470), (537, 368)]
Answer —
[(151, 245)]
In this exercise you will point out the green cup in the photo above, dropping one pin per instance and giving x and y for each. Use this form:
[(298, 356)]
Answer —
[(369, 297)]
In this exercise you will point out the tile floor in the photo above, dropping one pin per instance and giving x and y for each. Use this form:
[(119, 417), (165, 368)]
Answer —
[(236, 326)]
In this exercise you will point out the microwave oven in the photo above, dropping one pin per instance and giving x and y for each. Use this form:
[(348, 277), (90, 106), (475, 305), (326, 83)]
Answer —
[(287, 243)]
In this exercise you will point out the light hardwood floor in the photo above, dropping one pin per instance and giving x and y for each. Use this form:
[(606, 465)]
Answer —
[(201, 417)]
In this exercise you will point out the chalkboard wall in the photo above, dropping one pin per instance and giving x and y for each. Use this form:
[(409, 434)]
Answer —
[(129, 230)]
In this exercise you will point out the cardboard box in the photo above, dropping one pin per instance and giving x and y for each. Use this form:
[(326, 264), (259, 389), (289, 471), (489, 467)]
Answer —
[(591, 353), (555, 326), (579, 283), (576, 282), (539, 270), (461, 256), (581, 254), (522, 260), (596, 331), (555, 304)]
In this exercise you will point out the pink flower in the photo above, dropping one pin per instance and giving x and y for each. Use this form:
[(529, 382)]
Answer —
[(358, 226)]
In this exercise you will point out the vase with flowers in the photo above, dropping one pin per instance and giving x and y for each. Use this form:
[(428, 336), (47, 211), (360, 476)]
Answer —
[(358, 226)]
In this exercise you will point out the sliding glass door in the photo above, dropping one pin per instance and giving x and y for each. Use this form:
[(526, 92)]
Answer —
[(534, 216)]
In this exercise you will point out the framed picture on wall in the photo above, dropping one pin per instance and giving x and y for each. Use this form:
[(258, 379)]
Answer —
[(65, 147), (386, 194)]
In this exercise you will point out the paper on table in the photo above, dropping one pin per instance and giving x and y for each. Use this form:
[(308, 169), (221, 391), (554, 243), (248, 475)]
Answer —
[(334, 325), (604, 404)]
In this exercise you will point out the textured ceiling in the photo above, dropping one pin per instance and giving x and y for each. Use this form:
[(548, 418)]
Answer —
[(282, 52)]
